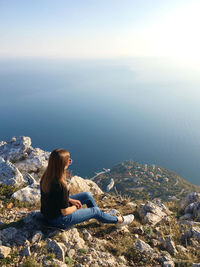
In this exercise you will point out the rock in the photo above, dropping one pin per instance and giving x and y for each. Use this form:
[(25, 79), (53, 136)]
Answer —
[(56, 248), (158, 203), (37, 236), (138, 230), (190, 223), (151, 213), (144, 247), (131, 205), (190, 207), (72, 239), (30, 193), (123, 229), (110, 185), (154, 242), (195, 232), (21, 237), (194, 210), (71, 253), (170, 246), (26, 158), (181, 249), (186, 216), (168, 264), (1, 204), (4, 251), (8, 234), (26, 250), (16, 149), (87, 235), (165, 256), (36, 161), (9, 174), (58, 263), (166, 259), (122, 259), (13, 236), (85, 185), (99, 244), (190, 198), (29, 179)]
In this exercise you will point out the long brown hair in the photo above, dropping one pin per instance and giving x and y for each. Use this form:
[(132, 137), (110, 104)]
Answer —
[(55, 171)]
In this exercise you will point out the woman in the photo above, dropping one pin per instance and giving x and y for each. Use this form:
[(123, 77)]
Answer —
[(62, 210)]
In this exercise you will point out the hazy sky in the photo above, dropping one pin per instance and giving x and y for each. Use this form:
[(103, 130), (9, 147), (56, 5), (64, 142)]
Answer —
[(100, 28)]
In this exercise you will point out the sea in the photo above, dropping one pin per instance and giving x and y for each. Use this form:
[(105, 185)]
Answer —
[(105, 111)]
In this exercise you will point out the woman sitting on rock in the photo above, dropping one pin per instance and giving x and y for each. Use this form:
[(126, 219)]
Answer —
[(62, 210)]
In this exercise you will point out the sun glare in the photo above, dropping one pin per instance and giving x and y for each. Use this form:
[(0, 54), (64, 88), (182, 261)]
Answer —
[(175, 35)]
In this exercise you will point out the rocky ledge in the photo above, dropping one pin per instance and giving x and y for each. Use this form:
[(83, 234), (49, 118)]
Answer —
[(162, 234)]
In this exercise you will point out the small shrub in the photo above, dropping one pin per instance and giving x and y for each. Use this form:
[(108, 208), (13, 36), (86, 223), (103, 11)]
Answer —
[(83, 250), (148, 231), (69, 261), (30, 262)]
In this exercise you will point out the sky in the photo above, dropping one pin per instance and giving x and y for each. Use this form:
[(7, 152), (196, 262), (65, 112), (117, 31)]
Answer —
[(101, 29)]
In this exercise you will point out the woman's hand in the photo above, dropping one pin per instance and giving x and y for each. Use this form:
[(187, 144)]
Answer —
[(76, 203)]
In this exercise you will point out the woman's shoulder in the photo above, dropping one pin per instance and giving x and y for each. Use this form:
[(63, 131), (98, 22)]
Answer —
[(59, 185)]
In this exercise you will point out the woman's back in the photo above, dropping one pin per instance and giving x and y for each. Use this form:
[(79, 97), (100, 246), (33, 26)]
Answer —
[(55, 200)]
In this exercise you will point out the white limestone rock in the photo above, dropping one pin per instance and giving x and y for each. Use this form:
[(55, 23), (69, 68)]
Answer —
[(190, 198), (181, 249), (16, 149), (2, 143), (26, 158), (9, 174), (26, 251), (29, 179), (132, 205), (36, 161), (87, 235), (85, 185), (72, 239), (55, 262), (170, 246), (186, 216), (151, 213), (195, 232), (4, 251), (56, 248), (168, 264), (8, 234), (143, 247), (37, 236), (30, 193), (192, 210)]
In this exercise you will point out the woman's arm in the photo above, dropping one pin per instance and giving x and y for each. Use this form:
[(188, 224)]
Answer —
[(68, 210), (75, 202)]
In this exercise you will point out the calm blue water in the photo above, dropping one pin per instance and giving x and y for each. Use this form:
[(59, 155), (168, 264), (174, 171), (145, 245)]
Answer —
[(104, 112)]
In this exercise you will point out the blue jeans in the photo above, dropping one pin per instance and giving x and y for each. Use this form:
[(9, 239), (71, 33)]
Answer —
[(91, 212)]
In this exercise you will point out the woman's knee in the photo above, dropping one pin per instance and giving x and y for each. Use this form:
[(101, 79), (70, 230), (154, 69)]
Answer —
[(88, 195), (96, 211)]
